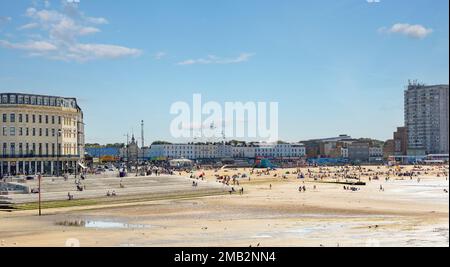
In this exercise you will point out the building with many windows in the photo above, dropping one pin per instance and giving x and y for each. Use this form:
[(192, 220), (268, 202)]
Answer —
[(426, 119), (197, 151), (40, 134)]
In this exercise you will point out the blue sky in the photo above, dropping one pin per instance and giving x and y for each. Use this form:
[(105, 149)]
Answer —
[(334, 66)]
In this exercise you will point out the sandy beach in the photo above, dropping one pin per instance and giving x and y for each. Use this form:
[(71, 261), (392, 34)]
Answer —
[(271, 212)]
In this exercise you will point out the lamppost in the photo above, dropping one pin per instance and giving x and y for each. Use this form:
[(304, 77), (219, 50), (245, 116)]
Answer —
[(57, 152), (39, 180)]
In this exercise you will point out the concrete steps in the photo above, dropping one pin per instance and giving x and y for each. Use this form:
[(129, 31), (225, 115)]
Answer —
[(134, 186)]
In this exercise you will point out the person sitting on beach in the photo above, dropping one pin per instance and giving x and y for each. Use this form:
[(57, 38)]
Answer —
[(114, 193), (108, 194)]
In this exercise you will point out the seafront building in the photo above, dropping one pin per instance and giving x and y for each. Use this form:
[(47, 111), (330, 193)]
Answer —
[(198, 151), (40, 134), (426, 119), (401, 141)]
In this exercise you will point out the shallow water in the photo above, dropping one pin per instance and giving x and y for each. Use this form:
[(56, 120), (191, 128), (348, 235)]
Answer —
[(102, 224), (432, 190), (113, 225)]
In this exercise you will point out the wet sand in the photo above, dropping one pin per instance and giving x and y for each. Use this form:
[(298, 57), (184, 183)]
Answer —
[(407, 213)]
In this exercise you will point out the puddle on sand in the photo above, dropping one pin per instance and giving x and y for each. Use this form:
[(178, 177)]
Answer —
[(113, 225), (102, 225)]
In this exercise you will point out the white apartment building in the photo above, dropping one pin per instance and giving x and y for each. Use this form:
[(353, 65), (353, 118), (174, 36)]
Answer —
[(375, 152), (280, 150), (344, 152), (219, 151), (190, 151)]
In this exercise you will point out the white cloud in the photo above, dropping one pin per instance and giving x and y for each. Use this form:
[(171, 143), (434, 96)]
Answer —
[(212, 59), (414, 31), (97, 20), (33, 46), (84, 52), (29, 26), (4, 21), (160, 55), (59, 34)]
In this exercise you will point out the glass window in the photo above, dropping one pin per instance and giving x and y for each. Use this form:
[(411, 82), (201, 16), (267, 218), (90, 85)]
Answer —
[(12, 99), (13, 117), (12, 131), (13, 149)]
